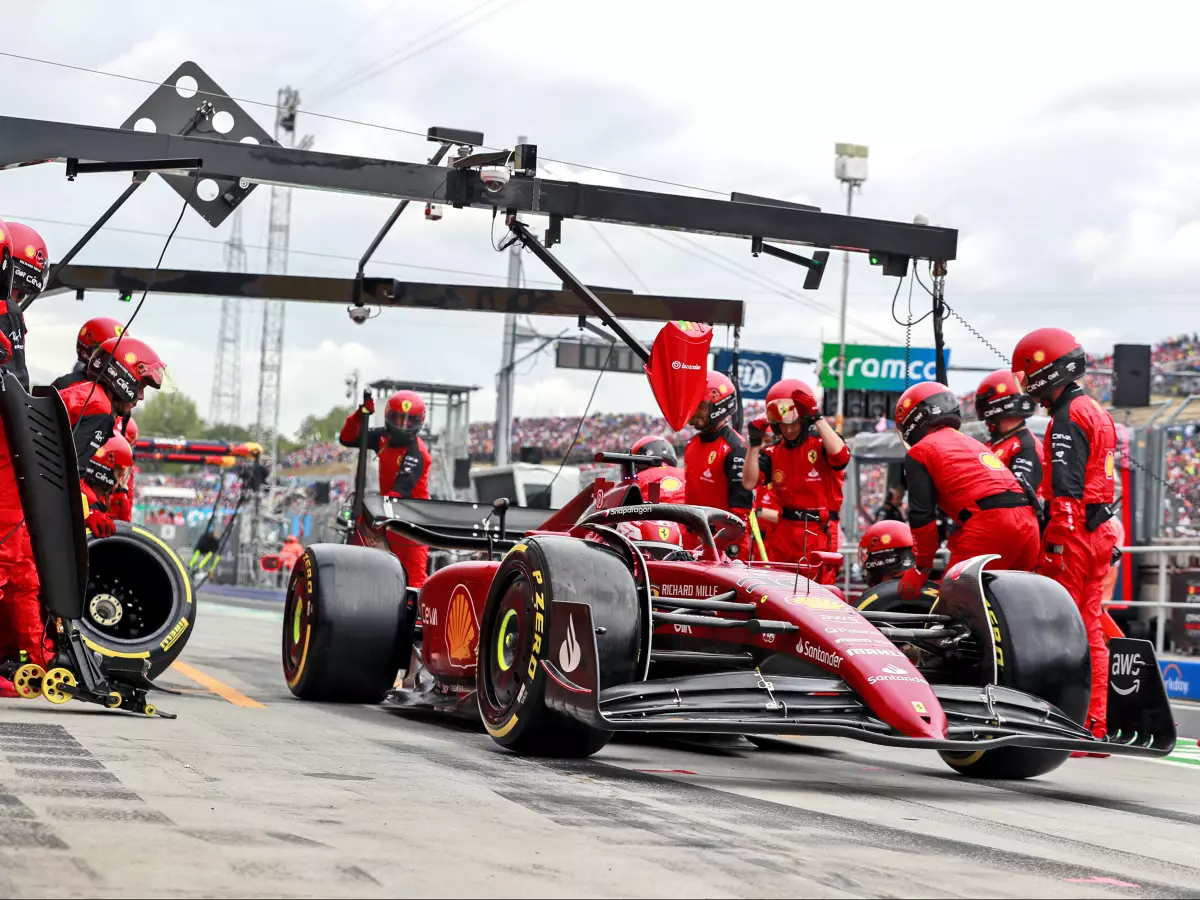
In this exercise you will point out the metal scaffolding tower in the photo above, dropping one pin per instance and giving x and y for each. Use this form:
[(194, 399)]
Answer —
[(271, 358), (226, 404)]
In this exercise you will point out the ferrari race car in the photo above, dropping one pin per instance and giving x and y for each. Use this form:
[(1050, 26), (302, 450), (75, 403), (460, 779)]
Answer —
[(565, 632)]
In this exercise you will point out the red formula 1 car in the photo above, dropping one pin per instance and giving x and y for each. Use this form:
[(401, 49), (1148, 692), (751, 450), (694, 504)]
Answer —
[(568, 632)]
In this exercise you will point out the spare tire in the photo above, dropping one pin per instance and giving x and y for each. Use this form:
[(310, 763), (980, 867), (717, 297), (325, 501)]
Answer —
[(139, 602)]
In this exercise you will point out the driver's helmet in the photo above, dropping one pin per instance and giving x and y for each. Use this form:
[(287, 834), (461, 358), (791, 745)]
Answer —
[(885, 551), (656, 445), (31, 264), (656, 530), (717, 403), (108, 469), (405, 414)]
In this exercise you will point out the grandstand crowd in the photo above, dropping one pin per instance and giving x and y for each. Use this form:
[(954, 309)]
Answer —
[(555, 438)]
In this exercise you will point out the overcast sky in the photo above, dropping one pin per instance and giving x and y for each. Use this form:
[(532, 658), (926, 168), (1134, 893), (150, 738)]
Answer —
[(1062, 145)]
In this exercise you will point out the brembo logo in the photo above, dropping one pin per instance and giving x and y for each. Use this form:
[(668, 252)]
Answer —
[(676, 364)]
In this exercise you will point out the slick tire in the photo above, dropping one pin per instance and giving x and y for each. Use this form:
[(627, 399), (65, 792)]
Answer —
[(510, 681), (343, 625), (1042, 649), (139, 602), (885, 597)]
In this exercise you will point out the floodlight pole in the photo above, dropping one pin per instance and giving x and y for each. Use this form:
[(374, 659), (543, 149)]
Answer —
[(850, 167), (502, 431)]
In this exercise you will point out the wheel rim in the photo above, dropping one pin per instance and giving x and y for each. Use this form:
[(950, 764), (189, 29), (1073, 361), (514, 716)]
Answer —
[(511, 642), (28, 681), (295, 639), (506, 641), (52, 685)]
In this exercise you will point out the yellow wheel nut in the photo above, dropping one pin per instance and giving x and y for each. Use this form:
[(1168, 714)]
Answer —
[(150, 709)]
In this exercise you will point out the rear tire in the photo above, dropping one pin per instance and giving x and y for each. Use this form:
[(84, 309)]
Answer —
[(139, 602), (510, 679), (1042, 649), (343, 625)]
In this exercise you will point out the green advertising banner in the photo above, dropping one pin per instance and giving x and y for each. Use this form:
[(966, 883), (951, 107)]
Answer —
[(874, 368)]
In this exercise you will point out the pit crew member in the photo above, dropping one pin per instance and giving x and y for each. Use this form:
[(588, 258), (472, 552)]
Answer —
[(715, 456), (404, 466), (120, 504), (1003, 407), (94, 332), (805, 468), (669, 477), (106, 470), (1077, 547), (29, 269), (948, 470), (23, 261)]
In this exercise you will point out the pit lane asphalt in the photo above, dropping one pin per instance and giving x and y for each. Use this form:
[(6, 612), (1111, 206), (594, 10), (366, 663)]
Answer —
[(253, 793)]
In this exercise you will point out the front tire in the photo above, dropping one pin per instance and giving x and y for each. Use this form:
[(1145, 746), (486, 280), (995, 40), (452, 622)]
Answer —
[(344, 624), (514, 631), (1042, 649)]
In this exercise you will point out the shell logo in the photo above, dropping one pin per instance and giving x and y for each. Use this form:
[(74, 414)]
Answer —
[(907, 402), (886, 539), (664, 532), (1109, 464), (991, 461), (1038, 356), (712, 457), (812, 456), (460, 627), (405, 405), (2, 237), (83, 331), (1002, 388), (29, 251), (722, 389), (816, 602), (130, 358), (671, 484)]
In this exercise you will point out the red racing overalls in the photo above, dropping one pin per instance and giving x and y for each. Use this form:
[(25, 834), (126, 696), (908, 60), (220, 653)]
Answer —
[(20, 613), (1021, 452), (1081, 444), (808, 486), (713, 463), (670, 482), (403, 472), (951, 471)]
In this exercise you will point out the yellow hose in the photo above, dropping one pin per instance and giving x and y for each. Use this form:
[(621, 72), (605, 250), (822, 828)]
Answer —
[(757, 536)]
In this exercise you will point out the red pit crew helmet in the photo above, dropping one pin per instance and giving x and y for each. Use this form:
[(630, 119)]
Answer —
[(94, 333), (126, 366), (1046, 359), (405, 413), (6, 260), (656, 445), (924, 407), (1000, 397), (885, 551), (30, 262), (791, 401), (718, 403), (109, 466)]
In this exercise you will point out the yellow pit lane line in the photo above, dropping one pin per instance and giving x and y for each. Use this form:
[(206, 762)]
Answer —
[(222, 690)]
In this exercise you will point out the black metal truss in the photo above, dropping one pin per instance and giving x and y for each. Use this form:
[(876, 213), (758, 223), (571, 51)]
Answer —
[(30, 141), (391, 292)]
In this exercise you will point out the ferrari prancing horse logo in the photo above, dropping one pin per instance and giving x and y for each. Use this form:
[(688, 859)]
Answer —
[(405, 405)]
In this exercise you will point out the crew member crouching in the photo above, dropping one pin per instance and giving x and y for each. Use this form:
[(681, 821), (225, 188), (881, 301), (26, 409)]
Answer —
[(948, 470), (668, 476), (805, 468)]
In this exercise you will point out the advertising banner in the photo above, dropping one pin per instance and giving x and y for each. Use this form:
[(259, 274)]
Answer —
[(874, 368), (757, 371)]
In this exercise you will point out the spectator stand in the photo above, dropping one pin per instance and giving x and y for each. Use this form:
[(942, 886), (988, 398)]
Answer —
[(446, 431)]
